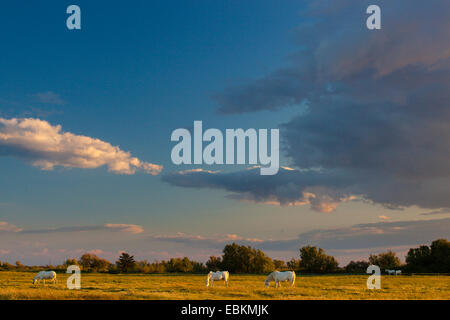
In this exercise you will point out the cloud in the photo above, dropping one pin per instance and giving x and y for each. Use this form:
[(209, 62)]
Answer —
[(47, 146), (435, 212), (338, 54), (289, 187), (370, 235), (381, 234), (127, 228), (95, 251), (346, 243), (216, 242), (378, 105), (49, 97), (355, 242), (131, 228), (8, 227)]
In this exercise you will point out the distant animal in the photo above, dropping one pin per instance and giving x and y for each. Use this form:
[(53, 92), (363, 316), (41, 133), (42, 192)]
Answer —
[(393, 272), (215, 276), (279, 277), (45, 275)]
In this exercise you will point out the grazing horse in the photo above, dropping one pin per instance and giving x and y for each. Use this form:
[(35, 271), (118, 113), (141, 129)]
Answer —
[(219, 275), (45, 275), (278, 277), (394, 272)]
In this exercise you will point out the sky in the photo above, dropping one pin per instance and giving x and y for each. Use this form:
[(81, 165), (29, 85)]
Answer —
[(86, 118)]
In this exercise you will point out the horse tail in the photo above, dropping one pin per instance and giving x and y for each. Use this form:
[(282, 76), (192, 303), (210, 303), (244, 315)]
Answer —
[(293, 279)]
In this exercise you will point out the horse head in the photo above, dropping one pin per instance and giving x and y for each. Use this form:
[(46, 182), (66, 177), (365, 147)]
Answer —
[(268, 279)]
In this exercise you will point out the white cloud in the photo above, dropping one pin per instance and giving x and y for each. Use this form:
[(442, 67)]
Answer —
[(47, 146)]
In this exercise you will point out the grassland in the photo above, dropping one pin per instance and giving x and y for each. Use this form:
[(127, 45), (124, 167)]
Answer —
[(17, 285)]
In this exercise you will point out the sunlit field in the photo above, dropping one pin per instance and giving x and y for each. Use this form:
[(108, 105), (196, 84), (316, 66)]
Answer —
[(17, 285)]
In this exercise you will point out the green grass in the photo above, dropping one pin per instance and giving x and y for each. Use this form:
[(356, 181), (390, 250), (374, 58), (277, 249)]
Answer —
[(17, 285)]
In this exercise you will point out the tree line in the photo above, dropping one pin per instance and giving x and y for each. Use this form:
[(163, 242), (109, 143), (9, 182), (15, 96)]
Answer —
[(245, 259)]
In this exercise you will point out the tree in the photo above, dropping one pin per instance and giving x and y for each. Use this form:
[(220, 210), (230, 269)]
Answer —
[(293, 264), (279, 264), (315, 260), (259, 262), (386, 260), (125, 263), (245, 259), (214, 263), (70, 262), (440, 255), (179, 265), (357, 267), (7, 266), (91, 263), (434, 258), (418, 259)]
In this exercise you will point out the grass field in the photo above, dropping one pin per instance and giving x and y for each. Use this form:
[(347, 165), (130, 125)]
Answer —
[(17, 285)]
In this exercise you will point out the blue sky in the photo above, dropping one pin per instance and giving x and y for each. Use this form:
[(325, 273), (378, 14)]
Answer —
[(138, 70)]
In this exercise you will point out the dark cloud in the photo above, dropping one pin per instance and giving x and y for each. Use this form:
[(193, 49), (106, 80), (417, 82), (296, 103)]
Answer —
[(288, 187), (436, 212), (378, 110), (339, 55), (381, 234)]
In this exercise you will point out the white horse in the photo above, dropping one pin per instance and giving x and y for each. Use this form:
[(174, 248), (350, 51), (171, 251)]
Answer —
[(219, 275), (45, 275), (393, 272), (278, 277)]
